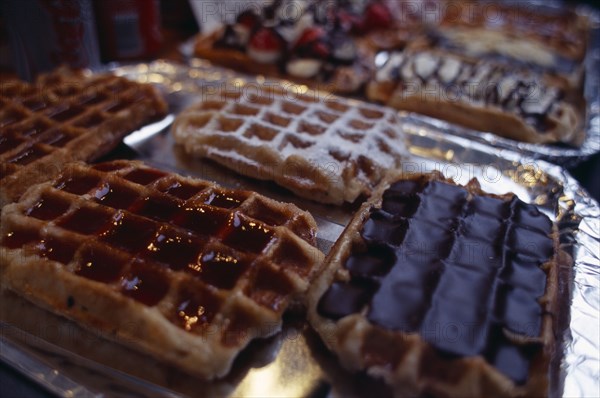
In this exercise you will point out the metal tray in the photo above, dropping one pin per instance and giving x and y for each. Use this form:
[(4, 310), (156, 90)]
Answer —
[(561, 154), (70, 361), (564, 155)]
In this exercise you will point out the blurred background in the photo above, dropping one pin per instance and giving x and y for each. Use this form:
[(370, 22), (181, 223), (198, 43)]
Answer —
[(38, 35)]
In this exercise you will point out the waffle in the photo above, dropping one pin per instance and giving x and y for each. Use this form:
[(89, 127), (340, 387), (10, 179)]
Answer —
[(327, 45), (551, 33), (175, 267), (343, 79), (318, 146), (64, 116), (509, 102), (547, 40), (442, 290), (500, 48)]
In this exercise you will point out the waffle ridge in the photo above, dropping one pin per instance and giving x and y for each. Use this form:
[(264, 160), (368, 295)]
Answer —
[(189, 271), (462, 284), (319, 146), (66, 116)]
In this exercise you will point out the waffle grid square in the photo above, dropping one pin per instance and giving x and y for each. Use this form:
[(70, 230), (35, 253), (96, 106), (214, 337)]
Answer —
[(210, 265)]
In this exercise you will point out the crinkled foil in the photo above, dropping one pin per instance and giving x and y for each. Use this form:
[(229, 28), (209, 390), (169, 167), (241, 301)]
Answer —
[(561, 154), (71, 362)]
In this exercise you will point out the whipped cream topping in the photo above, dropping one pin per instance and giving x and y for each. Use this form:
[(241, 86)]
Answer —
[(394, 61), (449, 70), (479, 84), (425, 65), (304, 67), (263, 56)]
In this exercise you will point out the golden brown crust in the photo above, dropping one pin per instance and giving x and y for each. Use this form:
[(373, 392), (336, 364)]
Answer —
[(114, 106), (406, 362), (246, 312), (319, 146), (488, 119)]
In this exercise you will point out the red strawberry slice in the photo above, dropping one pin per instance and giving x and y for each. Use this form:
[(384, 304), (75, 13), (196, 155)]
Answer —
[(266, 39), (321, 50), (248, 18), (312, 43), (310, 35), (266, 46), (377, 16)]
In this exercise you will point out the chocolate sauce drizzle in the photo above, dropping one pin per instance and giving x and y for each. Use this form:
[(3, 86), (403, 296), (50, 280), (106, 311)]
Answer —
[(561, 64), (484, 83), (459, 270)]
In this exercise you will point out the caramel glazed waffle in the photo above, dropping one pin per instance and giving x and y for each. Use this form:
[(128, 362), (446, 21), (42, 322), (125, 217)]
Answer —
[(317, 145), (442, 290), (65, 116), (178, 268)]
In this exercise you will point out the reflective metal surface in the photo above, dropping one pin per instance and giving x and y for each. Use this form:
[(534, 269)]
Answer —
[(79, 363), (563, 155)]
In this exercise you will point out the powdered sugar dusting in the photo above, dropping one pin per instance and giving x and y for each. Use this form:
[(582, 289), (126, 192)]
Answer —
[(339, 138)]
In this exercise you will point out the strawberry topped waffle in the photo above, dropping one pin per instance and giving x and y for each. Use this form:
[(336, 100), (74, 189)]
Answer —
[(309, 42)]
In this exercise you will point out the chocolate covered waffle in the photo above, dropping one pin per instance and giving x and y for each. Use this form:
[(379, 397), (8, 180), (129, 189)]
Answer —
[(65, 116), (176, 267), (442, 290), (317, 145), (509, 102), (318, 43)]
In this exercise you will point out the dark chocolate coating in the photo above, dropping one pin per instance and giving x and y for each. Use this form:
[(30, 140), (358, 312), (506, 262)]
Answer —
[(457, 269)]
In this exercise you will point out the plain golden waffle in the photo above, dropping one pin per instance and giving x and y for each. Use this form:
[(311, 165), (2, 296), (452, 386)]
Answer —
[(442, 290), (317, 145), (485, 96), (65, 116), (176, 267)]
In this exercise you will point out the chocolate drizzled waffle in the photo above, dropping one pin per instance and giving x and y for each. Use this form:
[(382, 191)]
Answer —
[(65, 116), (176, 267), (442, 290), (318, 146), (499, 48), (485, 96), (550, 40)]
